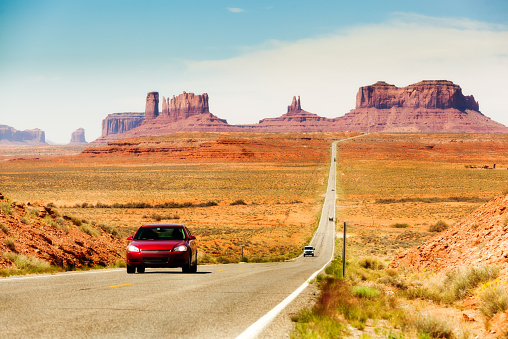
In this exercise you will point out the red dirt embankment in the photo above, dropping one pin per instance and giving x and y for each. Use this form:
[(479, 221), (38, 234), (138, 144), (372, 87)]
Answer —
[(39, 231), (478, 240)]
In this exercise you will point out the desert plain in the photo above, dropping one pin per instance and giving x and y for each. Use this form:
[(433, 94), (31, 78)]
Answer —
[(259, 195)]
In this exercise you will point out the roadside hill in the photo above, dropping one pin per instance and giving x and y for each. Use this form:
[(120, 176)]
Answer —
[(41, 232), (478, 240)]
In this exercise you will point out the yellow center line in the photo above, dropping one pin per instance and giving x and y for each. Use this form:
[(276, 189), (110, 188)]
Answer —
[(184, 275), (220, 271), (120, 285)]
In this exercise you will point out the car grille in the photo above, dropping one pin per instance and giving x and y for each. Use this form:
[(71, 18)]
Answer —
[(155, 251), (155, 260)]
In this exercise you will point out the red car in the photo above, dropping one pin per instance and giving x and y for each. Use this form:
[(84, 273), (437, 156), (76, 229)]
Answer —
[(162, 246)]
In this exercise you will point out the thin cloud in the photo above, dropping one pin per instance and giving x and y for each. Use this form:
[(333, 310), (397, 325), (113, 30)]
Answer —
[(235, 10)]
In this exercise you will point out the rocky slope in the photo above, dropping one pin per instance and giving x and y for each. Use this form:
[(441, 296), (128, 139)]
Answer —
[(34, 230), (478, 240), (223, 147), (11, 136)]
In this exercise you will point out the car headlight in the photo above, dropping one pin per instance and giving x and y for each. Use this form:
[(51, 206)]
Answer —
[(181, 248), (132, 248)]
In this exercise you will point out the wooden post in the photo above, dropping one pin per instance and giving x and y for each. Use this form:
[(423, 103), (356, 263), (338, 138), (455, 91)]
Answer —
[(344, 253)]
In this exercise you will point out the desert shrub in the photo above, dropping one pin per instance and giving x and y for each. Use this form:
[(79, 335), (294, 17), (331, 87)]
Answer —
[(424, 293), (438, 226), (371, 263), (463, 280), (392, 272), (27, 263), (400, 225), (10, 243), (4, 228), (24, 219), (429, 326), (238, 202), (32, 212), (365, 292), (312, 325), (110, 229), (156, 217), (60, 223), (494, 299), (335, 269), (75, 220), (6, 208), (85, 228), (205, 258)]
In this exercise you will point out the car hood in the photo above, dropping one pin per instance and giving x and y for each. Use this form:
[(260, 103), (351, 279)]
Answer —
[(157, 244)]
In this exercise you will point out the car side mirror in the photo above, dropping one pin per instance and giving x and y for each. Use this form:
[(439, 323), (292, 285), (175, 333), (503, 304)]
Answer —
[(192, 237), (129, 237)]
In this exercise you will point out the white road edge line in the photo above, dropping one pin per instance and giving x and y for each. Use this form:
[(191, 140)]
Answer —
[(255, 329)]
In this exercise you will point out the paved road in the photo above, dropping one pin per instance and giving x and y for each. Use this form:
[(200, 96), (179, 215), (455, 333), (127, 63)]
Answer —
[(220, 301)]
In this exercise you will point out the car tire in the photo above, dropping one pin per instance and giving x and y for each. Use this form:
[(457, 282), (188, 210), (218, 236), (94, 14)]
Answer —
[(141, 269), (187, 267), (131, 269), (194, 266)]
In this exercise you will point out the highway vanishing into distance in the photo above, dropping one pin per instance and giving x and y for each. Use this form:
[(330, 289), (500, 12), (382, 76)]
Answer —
[(220, 301)]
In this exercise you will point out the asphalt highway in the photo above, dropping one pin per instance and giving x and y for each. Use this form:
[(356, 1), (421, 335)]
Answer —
[(220, 301)]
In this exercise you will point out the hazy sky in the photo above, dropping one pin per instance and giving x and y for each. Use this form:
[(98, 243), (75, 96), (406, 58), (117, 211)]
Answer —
[(68, 64)]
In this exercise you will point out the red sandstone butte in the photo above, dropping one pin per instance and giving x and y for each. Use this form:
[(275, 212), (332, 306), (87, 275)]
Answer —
[(425, 107)]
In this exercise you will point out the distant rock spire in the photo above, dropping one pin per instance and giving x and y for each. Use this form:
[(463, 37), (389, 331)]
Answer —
[(295, 105)]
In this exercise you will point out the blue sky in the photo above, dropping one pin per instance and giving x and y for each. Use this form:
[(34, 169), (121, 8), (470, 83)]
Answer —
[(68, 64)]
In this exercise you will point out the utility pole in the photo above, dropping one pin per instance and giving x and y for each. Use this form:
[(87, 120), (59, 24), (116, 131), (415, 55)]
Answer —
[(344, 253)]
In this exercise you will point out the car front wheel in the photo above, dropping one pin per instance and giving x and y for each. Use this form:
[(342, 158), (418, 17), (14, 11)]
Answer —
[(141, 269), (131, 269)]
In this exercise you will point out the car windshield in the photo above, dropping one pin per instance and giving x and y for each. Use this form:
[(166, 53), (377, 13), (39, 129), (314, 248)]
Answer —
[(160, 233), (308, 247)]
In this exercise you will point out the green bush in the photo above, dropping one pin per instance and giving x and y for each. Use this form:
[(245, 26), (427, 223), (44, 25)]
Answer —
[(438, 227), (400, 225), (365, 292)]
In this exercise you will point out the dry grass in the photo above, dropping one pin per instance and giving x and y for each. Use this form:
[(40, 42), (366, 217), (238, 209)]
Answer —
[(265, 210)]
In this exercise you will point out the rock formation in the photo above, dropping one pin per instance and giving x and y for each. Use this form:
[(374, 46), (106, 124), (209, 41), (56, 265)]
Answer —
[(117, 123), (78, 137), (152, 106), (429, 94), (295, 120), (187, 104), (11, 136), (427, 106), (424, 107)]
